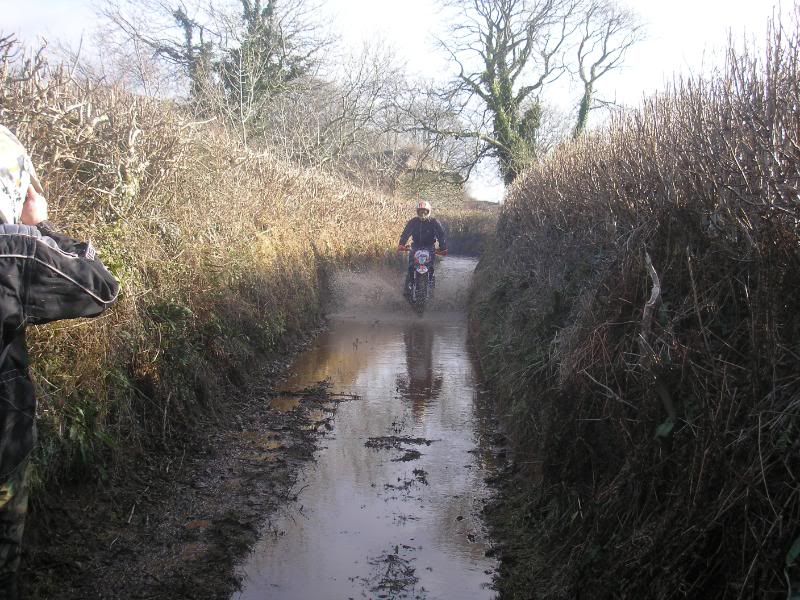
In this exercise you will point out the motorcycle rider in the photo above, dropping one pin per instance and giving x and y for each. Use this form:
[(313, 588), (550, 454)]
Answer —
[(425, 231)]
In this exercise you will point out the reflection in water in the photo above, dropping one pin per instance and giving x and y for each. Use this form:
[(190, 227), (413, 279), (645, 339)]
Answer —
[(420, 383), (396, 519)]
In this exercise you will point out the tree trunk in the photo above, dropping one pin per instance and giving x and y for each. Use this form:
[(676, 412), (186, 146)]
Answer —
[(583, 110)]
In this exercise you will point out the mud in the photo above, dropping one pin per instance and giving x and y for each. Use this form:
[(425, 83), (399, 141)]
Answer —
[(171, 524), (398, 443), (394, 441)]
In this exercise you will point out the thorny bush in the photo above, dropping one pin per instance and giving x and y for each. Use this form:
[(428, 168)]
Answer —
[(639, 317), (220, 252)]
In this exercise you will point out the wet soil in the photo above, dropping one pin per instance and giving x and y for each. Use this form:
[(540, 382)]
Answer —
[(171, 524)]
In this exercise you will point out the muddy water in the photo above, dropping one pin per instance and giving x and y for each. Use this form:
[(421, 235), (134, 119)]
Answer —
[(390, 508)]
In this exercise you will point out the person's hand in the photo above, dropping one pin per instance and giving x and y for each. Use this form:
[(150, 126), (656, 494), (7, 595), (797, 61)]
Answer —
[(34, 211), (441, 252), (402, 248)]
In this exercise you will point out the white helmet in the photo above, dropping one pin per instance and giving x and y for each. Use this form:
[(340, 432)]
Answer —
[(424, 209)]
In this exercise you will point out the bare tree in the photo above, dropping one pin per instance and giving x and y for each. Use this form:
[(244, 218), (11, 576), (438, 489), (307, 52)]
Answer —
[(606, 33), (270, 49), (248, 47), (182, 35), (443, 125), (324, 123), (507, 52)]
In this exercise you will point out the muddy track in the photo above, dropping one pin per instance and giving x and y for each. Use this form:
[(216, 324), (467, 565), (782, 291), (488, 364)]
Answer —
[(230, 507), (172, 524)]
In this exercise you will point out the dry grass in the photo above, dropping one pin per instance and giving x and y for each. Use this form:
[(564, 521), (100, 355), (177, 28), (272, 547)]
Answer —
[(220, 253), (641, 324)]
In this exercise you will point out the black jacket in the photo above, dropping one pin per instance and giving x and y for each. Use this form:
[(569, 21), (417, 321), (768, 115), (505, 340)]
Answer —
[(44, 276), (424, 232)]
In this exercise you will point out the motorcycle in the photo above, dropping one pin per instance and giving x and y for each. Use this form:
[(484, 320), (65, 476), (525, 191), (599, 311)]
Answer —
[(419, 286)]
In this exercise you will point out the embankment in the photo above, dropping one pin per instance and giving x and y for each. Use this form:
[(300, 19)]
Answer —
[(221, 253), (638, 320)]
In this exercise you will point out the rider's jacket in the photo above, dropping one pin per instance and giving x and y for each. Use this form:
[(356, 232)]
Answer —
[(44, 276), (424, 233)]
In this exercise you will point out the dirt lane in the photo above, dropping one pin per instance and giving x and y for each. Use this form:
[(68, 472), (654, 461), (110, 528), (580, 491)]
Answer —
[(391, 506), (173, 524)]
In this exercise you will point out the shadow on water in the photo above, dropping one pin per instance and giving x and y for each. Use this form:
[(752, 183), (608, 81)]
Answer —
[(390, 508)]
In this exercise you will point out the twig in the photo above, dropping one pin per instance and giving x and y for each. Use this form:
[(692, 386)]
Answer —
[(646, 351), (611, 392), (696, 300), (763, 474)]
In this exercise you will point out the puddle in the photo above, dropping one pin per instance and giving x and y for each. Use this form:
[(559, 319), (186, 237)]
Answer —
[(390, 507)]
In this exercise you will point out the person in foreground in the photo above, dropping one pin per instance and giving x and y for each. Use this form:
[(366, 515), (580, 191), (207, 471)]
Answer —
[(425, 231), (44, 276)]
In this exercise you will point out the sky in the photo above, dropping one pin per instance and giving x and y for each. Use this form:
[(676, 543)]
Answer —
[(682, 37)]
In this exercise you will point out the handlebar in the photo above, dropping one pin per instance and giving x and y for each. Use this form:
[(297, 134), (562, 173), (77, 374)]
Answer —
[(408, 249)]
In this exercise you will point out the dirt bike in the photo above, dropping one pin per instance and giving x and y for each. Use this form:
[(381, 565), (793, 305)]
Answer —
[(419, 287)]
